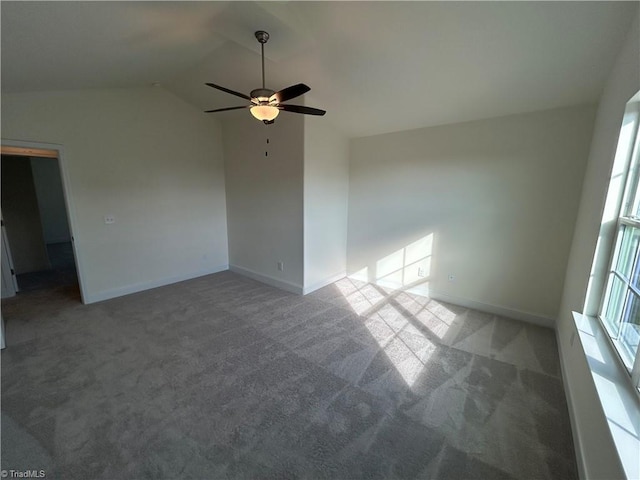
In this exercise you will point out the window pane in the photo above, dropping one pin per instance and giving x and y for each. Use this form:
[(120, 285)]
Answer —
[(614, 302), (630, 328), (635, 277), (627, 255)]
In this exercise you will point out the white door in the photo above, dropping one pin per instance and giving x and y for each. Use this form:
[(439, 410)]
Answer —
[(9, 281), (2, 341)]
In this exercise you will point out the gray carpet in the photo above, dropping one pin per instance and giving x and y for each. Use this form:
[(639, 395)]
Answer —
[(62, 271), (224, 377)]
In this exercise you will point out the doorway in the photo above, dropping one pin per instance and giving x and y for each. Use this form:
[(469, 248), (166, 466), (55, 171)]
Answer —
[(37, 228)]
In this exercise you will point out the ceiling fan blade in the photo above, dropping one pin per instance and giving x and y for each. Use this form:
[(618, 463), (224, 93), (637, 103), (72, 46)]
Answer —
[(226, 109), (301, 109), (237, 94), (290, 92)]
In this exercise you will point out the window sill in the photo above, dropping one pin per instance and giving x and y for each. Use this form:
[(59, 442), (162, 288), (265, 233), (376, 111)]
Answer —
[(619, 399)]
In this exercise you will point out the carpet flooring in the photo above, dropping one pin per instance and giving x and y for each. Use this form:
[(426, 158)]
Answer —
[(62, 271), (224, 377)]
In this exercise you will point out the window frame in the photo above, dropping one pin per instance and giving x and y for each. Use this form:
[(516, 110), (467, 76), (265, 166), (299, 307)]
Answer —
[(626, 218)]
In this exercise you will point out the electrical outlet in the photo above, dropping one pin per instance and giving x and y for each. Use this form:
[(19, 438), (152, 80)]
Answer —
[(281, 266), (109, 219)]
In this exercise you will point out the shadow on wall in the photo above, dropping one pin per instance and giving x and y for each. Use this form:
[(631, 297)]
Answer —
[(407, 268)]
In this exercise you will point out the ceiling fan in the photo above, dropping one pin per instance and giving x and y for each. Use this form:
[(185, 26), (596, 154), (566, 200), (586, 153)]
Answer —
[(266, 104)]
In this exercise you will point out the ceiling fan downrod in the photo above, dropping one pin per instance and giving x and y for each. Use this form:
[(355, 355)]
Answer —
[(262, 37)]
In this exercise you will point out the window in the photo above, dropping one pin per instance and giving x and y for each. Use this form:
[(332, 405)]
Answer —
[(620, 308)]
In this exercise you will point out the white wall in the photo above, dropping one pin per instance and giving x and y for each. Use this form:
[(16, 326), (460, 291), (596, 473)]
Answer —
[(53, 213), (326, 196), (491, 202), (149, 159), (265, 198), (597, 457)]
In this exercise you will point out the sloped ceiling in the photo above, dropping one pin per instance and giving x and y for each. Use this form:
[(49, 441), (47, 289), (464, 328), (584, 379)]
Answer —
[(374, 66)]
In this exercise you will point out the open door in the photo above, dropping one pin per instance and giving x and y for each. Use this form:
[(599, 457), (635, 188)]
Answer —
[(9, 281), (54, 153)]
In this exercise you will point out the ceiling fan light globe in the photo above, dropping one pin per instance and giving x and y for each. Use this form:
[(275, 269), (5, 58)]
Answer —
[(264, 112)]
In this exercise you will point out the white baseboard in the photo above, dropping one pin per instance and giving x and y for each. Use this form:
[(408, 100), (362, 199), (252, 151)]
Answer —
[(508, 312), (424, 290), (274, 282), (417, 288), (361, 277), (139, 287), (324, 283)]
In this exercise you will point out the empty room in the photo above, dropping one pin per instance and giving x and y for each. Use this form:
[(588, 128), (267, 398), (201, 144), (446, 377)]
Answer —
[(320, 240)]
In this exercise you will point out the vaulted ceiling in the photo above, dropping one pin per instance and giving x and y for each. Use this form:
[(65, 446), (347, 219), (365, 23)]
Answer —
[(374, 66)]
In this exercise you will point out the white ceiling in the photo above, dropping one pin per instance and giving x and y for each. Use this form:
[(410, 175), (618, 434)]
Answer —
[(374, 66)]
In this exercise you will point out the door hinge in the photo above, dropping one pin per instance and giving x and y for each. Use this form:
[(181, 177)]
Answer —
[(13, 272)]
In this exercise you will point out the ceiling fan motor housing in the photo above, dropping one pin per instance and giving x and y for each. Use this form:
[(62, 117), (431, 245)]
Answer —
[(262, 95)]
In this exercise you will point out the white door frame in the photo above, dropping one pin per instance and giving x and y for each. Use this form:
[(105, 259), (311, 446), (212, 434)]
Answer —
[(68, 200)]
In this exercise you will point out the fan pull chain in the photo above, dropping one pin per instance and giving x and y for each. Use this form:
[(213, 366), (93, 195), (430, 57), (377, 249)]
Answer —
[(266, 152)]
